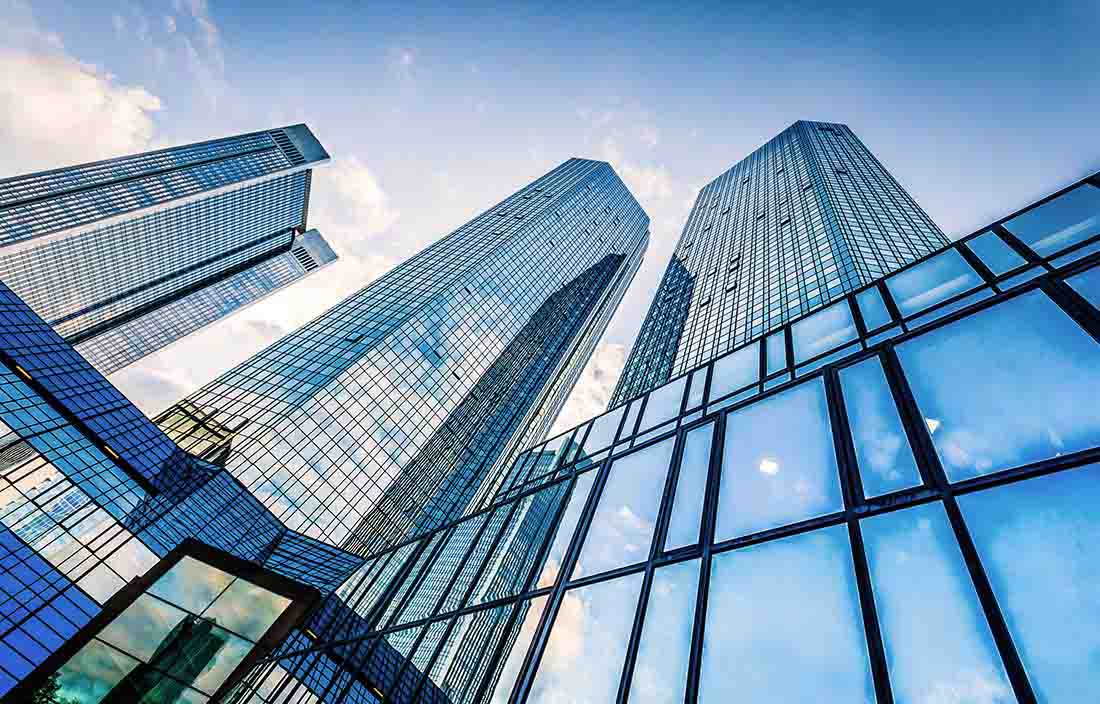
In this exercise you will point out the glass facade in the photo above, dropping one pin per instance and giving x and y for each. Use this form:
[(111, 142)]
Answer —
[(803, 220), (895, 509), (127, 255), (387, 415)]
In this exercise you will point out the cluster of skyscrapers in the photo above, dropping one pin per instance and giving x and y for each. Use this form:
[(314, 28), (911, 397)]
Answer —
[(848, 460)]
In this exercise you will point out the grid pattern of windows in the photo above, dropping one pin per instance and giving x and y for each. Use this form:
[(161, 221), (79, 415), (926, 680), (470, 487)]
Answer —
[(324, 420), (802, 220), (924, 535)]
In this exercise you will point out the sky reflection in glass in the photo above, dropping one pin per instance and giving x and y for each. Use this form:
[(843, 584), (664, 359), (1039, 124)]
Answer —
[(932, 281), (938, 645), (1009, 385), (768, 480), (660, 670), (784, 625), (1087, 283), (691, 486), (1039, 541), (566, 527), (663, 404), (885, 459), (735, 371), (994, 253), (825, 330), (584, 655), (1063, 221), (515, 656), (622, 526), (873, 309)]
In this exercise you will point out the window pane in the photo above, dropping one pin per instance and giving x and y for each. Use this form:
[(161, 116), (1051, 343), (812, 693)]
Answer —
[(1009, 385), (941, 277), (777, 352), (1087, 283), (1061, 222), (664, 403), (584, 654), (784, 624), (191, 585), (93, 672), (143, 627), (735, 371), (882, 451), (935, 634), (566, 528), (691, 485), (247, 609), (873, 309), (823, 331), (660, 670), (529, 618), (1039, 541), (698, 385), (994, 253), (622, 526), (603, 431), (768, 480)]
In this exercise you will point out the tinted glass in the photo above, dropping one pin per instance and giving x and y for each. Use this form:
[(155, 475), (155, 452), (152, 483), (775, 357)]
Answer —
[(935, 634), (825, 330), (691, 486), (530, 613), (777, 353), (882, 450), (584, 654), (247, 609), (698, 385), (191, 584), (768, 480), (1061, 222), (1039, 541), (622, 526), (1087, 283), (994, 253), (873, 309), (784, 625), (660, 670), (566, 527), (603, 430), (664, 403), (937, 279), (1009, 385), (735, 371)]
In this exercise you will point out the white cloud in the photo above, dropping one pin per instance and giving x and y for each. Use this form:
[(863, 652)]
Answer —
[(205, 58), (169, 24), (119, 23), (593, 390)]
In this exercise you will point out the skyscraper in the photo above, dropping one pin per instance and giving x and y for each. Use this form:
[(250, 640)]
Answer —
[(127, 255), (804, 219), (384, 416)]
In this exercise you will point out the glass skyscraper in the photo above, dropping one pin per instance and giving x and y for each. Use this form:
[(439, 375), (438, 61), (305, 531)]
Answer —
[(804, 219), (127, 255), (384, 416)]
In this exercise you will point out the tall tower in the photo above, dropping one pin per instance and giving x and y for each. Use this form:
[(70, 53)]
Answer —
[(804, 219), (383, 416), (127, 255)]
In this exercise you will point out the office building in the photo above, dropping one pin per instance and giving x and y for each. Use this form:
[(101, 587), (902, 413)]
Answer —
[(804, 219), (128, 255)]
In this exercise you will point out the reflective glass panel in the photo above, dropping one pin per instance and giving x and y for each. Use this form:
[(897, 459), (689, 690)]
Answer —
[(767, 479), (936, 638), (566, 526), (937, 279), (93, 673), (698, 385), (994, 253), (191, 584), (603, 430), (824, 330), (691, 486), (1087, 283), (663, 404), (584, 654), (784, 624), (660, 670), (735, 371), (1009, 385), (1063, 221), (530, 613), (141, 628), (1039, 541), (873, 309), (777, 352), (246, 609), (622, 526), (885, 459)]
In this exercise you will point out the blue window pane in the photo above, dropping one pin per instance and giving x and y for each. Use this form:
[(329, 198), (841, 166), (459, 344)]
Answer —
[(994, 253), (941, 277), (566, 526), (603, 430), (882, 451), (1009, 385), (584, 654), (784, 624), (1039, 541), (823, 331), (1087, 283), (1061, 222), (622, 526), (936, 638), (663, 404), (735, 371), (691, 485), (873, 309), (660, 670), (698, 385), (768, 480), (530, 613), (777, 352)]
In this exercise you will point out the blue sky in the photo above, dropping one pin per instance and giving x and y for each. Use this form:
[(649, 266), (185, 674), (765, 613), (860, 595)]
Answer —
[(434, 112)]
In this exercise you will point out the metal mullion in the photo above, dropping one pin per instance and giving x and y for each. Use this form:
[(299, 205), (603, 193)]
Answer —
[(876, 648), (850, 481), (1073, 304), (888, 301), (977, 264), (664, 515), (1018, 245), (911, 418)]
